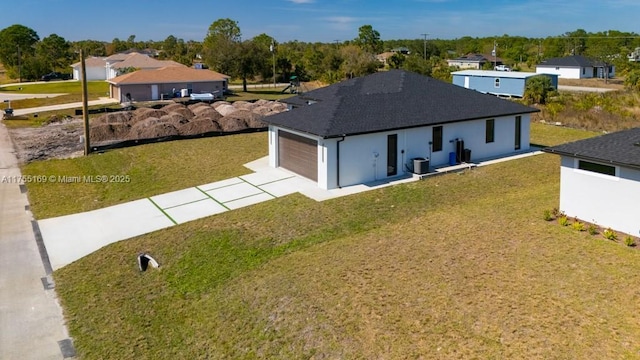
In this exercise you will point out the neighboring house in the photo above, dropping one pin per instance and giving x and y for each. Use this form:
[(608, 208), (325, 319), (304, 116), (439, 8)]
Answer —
[(474, 61), (635, 55), (94, 68), (383, 58), (117, 63), (576, 67), (370, 128), (600, 180), (145, 85), (501, 83)]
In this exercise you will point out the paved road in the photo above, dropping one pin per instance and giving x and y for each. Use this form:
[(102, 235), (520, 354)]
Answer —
[(31, 322)]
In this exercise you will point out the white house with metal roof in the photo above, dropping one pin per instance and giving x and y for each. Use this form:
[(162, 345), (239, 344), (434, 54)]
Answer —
[(600, 180), (501, 83), (373, 128), (576, 67)]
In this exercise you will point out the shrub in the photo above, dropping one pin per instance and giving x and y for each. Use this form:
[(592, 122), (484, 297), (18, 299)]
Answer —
[(629, 241), (609, 234), (563, 220), (547, 215), (592, 229), (577, 225)]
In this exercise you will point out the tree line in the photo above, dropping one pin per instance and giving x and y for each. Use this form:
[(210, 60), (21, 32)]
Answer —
[(262, 58)]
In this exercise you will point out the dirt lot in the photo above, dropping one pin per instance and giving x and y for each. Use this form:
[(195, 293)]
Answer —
[(63, 138)]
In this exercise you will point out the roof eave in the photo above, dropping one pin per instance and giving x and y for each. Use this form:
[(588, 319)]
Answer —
[(590, 158)]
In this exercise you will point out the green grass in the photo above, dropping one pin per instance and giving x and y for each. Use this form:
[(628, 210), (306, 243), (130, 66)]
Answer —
[(459, 266), (153, 169)]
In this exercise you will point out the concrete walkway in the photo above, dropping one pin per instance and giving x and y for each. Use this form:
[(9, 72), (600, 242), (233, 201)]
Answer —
[(71, 237), (31, 322)]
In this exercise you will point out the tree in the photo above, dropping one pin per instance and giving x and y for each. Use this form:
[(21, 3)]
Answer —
[(538, 89), (54, 52), (632, 80), (220, 46), (17, 45), (369, 40), (396, 60), (417, 64), (90, 47), (357, 62)]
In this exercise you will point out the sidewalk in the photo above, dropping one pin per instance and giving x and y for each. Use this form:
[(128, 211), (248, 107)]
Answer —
[(31, 322)]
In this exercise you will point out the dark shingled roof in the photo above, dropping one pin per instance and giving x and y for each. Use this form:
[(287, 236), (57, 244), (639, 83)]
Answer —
[(571, 61), (620, 148), (386, 101)]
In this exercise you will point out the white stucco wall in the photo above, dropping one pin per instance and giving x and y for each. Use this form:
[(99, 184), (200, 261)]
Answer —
[(565, 73), (93, 73), (359, 164), (608, 201)]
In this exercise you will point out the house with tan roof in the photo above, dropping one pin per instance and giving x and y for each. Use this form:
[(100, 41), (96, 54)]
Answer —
[(117, 63), (156, 84)]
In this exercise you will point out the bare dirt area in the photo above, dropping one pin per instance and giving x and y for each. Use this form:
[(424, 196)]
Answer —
[(616, 83), (63, 138)]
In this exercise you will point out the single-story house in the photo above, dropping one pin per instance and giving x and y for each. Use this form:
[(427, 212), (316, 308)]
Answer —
[(371, 128), (474, 61), (501, 83), (576, 67), (95, 68), (145, 85), (600, 180), (117, 63)]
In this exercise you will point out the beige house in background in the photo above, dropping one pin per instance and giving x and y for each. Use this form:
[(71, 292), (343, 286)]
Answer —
[(105, 68), (116, 63), (156, 84)]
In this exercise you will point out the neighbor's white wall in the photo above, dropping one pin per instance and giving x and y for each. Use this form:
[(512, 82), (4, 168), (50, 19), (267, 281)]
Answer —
[(93, 73), (565, 73), (608, 201)]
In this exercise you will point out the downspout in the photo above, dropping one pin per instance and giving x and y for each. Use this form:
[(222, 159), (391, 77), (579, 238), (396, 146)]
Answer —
[(338, 162)]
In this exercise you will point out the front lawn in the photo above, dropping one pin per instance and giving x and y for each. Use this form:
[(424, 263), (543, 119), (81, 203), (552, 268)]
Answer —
[(460, 266)]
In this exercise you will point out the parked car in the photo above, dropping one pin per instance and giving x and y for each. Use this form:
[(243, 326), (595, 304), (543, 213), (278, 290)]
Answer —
[(502, 68), (55, 76)]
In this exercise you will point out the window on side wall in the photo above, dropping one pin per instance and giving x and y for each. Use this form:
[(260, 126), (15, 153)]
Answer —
[(597, 168), (496, 83), (437, 139), (490, 132)]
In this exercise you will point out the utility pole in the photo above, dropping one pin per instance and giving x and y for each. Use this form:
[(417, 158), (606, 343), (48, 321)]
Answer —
[(19, 65), (494, 54), (425, 45), (273, 52), (85, 105)]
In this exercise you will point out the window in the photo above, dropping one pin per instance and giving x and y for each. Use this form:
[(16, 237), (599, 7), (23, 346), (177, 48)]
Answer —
[(490, 131), (518, 134), (597, 168), (496, 83), (437, 139)]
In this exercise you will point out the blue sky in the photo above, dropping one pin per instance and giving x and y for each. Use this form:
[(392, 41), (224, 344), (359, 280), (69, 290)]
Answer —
[(319, 20)]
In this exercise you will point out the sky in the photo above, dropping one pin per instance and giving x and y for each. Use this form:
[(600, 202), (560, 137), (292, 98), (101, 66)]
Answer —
[(319, 20)]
